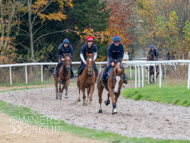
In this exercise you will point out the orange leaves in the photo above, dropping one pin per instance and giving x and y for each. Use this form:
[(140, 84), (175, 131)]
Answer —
[(118, 22)]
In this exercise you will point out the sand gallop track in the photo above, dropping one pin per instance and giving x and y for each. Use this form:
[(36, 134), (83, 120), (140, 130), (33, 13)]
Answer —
[(134, 118)]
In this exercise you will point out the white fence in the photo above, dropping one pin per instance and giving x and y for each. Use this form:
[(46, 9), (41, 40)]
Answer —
[(136, 64)]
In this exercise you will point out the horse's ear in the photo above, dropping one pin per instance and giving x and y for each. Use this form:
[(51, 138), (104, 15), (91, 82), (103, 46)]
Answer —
[(64, 54), (86, 54), (69, 54)]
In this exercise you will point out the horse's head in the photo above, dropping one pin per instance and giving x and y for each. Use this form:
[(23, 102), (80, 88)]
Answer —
[(67, 61), (118, 70), (89, 62), (150, 57)]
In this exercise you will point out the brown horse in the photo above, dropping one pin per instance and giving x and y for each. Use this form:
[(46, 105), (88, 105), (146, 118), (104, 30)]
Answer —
[(114, 84), (87, 79), (64, 76), (150, 57)]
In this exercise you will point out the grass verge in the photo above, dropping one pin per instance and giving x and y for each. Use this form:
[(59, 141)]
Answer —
[(169, 94)]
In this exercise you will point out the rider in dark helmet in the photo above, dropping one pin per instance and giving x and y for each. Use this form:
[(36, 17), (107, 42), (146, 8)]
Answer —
[(154, 51), (88, 47), (115, 53), (64, 48)]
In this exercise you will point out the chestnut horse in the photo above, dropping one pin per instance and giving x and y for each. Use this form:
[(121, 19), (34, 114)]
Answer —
[(87, 79), (64, 76), (150, 57), (114, 84)]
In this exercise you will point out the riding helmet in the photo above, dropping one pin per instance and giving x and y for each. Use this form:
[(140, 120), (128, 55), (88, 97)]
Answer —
[(65, 41), (116, 39)]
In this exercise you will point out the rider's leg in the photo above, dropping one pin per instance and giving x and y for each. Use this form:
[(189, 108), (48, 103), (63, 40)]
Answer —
[(105, 70), (56, 69), (79, 70), (96, 70)]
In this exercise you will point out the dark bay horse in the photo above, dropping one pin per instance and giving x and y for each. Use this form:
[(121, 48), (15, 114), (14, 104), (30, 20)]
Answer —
[(150, 57), (114, 84), (64, 76), (87, 79)]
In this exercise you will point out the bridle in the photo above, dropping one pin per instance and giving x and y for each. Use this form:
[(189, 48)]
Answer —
[(87, 67)]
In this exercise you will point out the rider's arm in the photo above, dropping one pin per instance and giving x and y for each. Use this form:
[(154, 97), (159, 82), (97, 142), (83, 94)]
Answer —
[(81, 53), (95, 56), (95, 50), (82, 57), (59, 53), (110, 54), (121, 54), (71, 51)]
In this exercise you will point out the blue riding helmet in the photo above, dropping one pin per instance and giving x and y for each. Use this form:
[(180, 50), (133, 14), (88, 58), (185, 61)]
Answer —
[(66, 41), (152, 46), (116, 39)]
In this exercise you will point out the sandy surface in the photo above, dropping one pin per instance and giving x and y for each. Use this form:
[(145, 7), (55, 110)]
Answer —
[(13, 131), (134, 118)]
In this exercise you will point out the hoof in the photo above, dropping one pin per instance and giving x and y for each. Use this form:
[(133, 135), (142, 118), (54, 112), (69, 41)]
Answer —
[(100, 111), (107, 102), (78, 100), (114, 111), (84, 104), (66, 96)]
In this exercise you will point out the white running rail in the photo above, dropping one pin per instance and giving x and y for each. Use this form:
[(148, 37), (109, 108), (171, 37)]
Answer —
[(137, 64)]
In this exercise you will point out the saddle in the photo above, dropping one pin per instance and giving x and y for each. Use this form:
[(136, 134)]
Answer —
[(72, 74)]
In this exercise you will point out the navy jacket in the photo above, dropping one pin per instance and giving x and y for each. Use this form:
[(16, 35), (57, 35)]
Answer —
[(85, 49), (61, 49), (115, 52), (155, 52)]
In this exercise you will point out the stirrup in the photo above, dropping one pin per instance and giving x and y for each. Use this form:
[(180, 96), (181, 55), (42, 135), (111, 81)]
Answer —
[(76, 75)]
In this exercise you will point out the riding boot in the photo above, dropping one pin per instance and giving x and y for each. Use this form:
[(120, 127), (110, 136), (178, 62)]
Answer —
[(79, 71), (103, 74), (56, 69), (125, 78), (96, 70)]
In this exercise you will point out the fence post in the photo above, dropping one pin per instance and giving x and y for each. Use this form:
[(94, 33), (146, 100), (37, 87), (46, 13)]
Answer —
[(41, 73), (26, 75), (148, 75), (154, 74), (130, 73), (10, 76), (160, 76), (139, 76), (135, 76), (188, 80), (142, 67)]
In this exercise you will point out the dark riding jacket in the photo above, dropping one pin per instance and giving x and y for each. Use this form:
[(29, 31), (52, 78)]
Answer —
[(84, 49), (62, 50), (155, 52), (115, 52)]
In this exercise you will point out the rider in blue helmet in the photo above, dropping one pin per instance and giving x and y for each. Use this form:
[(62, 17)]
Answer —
[(154, 51), (115, 53), (64, 48)]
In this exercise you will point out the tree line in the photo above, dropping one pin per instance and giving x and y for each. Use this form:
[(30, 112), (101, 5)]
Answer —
[(31, 30)]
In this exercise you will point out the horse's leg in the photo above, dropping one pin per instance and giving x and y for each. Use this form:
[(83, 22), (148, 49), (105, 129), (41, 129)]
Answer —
[(66, 88), (56, 84), (84, 97), (107, 102), (91, 93), (116, 97), (78, 84), (88, 92), (111, 92), (64, 85), (100, 90), (60, 94)]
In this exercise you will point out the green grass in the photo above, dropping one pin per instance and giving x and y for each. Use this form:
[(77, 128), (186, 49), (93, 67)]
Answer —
[(169, 94), (23, 114)]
